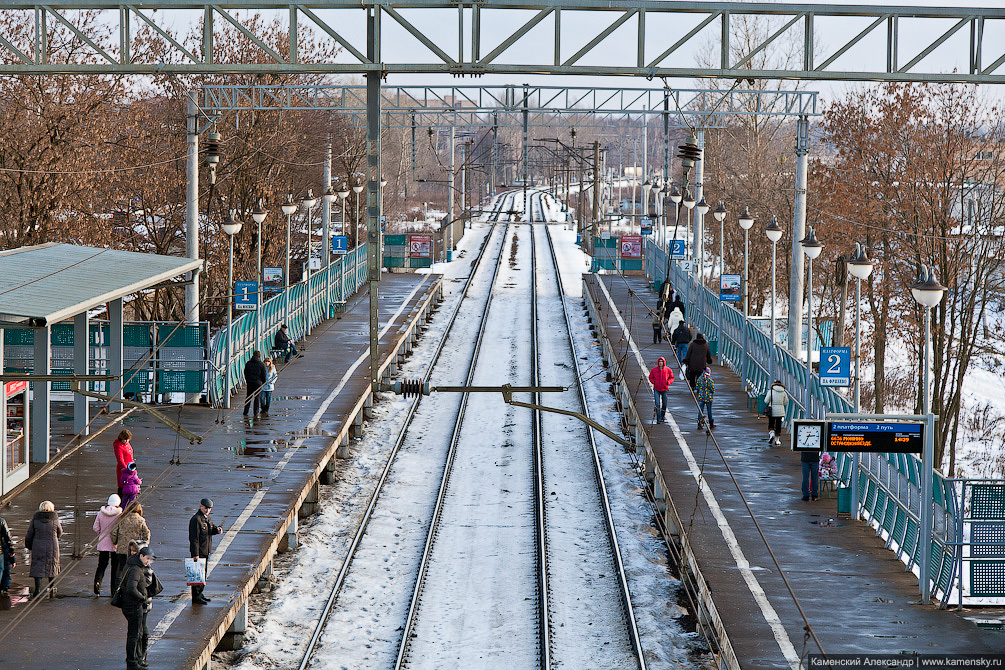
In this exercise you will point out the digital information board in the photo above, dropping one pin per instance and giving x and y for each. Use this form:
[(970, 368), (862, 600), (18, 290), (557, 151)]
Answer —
[(876, 437)]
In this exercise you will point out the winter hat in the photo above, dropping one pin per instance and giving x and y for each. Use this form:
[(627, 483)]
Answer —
[(147, 551), (131, 467), (825, 458), (114, 500), (207, 503)]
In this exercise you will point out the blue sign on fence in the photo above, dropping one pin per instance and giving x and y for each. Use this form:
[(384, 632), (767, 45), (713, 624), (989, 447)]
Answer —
[(729, 288), (647, 226), (835, 366), (340, 245), (246, 295), (678, 249)]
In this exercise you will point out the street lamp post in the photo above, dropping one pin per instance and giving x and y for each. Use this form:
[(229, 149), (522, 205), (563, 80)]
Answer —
[(658, 201), (289, 209), (675, 197), (343, 193), (812, 248), (860, 267), (688, 201), (702, 209), (308, 202), (357, 188), (329, 196), (720, 216), (231, 227), (746, 221), (259, 214), (928, 292), (774, 233)]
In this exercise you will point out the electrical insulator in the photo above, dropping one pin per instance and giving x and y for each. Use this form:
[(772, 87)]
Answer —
[(212, 148), (411, 387)]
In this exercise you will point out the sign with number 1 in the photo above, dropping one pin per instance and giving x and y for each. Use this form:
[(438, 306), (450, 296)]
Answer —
[(835, 366)]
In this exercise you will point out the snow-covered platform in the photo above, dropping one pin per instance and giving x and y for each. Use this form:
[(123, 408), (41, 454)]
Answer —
[(260, 474), (855, 594)]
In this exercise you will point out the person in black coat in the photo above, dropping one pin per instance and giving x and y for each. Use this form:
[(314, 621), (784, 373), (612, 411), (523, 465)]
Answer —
[(7, 556), (698, 357), (680, 338), (136, 591), (200, 542), (283, 342), (254, 376)]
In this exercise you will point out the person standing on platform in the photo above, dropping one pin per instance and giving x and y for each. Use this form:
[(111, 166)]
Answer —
[(680, 338), (103, 522), (283, 343), (42, 539), (698, 357), (674, 320), (123, 456), (705, 390), (200, 542), (131, 528), (661, 377), (130, 484), (270, 385), (254, 377), (775, 401), (137, 590), (811, 473), (7, 556), (657, 329)]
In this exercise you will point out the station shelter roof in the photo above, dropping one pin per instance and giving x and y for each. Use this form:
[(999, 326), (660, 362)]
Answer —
[(48, 283)]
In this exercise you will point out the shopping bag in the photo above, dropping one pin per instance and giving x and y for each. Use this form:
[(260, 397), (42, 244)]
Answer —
[(195, 571)]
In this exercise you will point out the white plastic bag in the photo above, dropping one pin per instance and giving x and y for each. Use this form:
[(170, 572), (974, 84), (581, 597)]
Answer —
[(195, 571)]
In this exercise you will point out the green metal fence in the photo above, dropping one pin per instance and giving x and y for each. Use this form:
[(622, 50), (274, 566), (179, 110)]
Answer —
[(329, 289)]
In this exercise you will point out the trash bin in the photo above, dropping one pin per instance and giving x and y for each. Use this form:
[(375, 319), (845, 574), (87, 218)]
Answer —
[(713, 347), (844, 500)]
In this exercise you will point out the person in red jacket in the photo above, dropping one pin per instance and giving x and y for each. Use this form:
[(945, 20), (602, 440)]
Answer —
[(661, 377), (123, 456)]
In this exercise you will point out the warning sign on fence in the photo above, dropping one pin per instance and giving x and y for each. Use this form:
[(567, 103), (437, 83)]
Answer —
[(631, 246), (420, 246)]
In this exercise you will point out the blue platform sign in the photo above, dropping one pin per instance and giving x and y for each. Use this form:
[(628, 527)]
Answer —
[(835, 366), (729, 288), (246, 295), (647, 226), (678, 249), (340, 245)]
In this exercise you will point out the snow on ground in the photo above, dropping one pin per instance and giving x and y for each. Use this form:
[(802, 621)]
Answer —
[(280, 623)]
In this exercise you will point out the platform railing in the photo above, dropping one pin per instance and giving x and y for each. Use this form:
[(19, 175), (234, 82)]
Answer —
[(330, 288), (889, 484)]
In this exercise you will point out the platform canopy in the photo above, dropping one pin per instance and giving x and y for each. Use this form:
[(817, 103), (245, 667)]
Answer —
[(48, 283)]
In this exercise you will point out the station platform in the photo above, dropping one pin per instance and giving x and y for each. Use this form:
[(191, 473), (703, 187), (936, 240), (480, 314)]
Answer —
[(260, 473), (855, 594)]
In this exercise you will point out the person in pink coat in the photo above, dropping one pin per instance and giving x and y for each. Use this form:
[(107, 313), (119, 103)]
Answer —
[(130, 485), (103, 522), (123, 456), (661, 377)]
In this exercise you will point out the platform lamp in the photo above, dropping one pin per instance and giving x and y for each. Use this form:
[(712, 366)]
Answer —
[(811, 248), (231, 226), (658, 201), (702, 209), (329, 196), (774, 233), (746, 222), (380, 212), (928, 292), (357, 188), (719, 214), (289, 209), (675, 197), (258, 215), (860, 268), (343, 193), (308, 201)]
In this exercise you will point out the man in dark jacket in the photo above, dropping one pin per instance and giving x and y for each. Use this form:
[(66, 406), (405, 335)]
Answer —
[(698, 357), (136, 600), (680, 338), (200, 542), (8, 559), (254, 376), (284, 343)]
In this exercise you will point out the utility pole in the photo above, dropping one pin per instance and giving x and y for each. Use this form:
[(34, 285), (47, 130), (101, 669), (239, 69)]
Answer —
[(596, 190), (645, 161), (495, 154), (526, 211), (373, 196), (798, 233), (192, 209)]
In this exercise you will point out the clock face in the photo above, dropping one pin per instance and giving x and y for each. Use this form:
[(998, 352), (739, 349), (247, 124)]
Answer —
[(808, 437)]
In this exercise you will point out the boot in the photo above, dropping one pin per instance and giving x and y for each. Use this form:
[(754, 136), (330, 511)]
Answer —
[(711, 425), (97, 588), (771, 436)]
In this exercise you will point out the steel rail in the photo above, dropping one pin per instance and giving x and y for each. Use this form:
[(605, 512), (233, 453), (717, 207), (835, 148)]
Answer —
[(612, 533), (402, 433), (540, 507), (413, 606)]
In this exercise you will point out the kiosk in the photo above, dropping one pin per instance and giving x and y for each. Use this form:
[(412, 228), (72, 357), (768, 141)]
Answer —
[(14, 435)]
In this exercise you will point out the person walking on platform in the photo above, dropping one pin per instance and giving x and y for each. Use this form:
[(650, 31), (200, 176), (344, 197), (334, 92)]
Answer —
[(103, 522), (131, 528), (811, 473), (657, 329), (123, 456), (698, 357), (130, 484), (283, 342), (7, 556), (270, 385), (680, 338), (200, 542), (254, 377), (42, 539), (775, 401), (661, 377), (674, 320), (138, 587), (704, 390)]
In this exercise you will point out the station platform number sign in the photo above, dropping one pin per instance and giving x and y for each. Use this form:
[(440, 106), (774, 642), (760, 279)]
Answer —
[(246, 295), (340, 245), (878, 437), (678, 249), (835, 366)]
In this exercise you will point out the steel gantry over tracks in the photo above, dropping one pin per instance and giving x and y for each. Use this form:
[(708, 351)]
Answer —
[(603, 37)]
